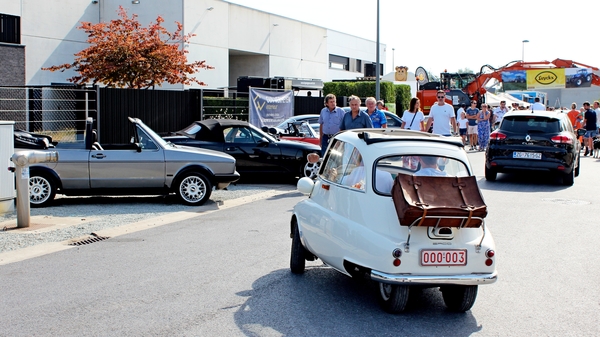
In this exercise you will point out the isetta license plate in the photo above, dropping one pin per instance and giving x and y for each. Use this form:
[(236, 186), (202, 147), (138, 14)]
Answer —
[(447, 257)]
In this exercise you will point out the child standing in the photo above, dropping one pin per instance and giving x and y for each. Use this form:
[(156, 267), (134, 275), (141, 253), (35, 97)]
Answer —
[(462, 126)]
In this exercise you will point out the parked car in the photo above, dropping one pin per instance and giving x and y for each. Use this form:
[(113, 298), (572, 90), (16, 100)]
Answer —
[(393, 121), (255, 151), (297, 131), (147, 165), (350, 220), (311, 119), (543, 141)]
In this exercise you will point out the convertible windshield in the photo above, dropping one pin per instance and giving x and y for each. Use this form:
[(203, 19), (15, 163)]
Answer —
[(153, 134)]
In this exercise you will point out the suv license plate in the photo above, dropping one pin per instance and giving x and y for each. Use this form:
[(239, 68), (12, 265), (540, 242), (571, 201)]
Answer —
[(527, 155), (444, 257)]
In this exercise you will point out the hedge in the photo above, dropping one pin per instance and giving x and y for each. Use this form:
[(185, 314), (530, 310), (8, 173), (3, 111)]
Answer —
[(388, 92)]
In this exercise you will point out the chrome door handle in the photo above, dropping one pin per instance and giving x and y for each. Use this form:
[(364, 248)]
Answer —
[(98, 156)]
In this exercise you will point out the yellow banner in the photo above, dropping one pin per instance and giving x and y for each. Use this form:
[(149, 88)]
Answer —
[(545, 78)]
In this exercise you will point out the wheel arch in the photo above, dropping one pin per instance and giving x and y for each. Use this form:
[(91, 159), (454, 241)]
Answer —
[(207, 172), (48, 172)]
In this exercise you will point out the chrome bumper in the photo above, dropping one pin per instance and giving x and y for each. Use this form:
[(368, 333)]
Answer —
[(408, 279)]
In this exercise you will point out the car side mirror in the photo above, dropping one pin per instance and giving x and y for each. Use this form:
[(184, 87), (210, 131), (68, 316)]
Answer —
[(138, 147), (263, 141), (580, 132), (301, 134), (272, 131)]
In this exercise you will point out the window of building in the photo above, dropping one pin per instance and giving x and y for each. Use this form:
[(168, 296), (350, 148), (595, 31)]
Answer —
[(339, 62), (10, 29)]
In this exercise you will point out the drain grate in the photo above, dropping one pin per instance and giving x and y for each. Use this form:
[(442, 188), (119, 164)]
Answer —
[(90, 239)]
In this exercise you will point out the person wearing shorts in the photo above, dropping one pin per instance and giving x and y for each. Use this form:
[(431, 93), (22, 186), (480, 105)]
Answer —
[(472, 113), (462, 126)]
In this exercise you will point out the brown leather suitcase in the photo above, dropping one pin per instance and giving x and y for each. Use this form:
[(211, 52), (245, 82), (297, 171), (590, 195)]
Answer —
[(438, 201)]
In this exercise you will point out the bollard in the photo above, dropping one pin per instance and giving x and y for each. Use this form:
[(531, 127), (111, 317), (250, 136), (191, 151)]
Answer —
[(22, 160)]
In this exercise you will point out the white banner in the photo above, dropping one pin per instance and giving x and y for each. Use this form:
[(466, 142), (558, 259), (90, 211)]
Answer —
[(270, 108)]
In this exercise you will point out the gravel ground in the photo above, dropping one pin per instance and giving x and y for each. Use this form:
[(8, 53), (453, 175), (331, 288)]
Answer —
[(107, 212)]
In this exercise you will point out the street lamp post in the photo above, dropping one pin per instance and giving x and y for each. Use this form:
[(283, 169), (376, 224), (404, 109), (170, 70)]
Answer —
[(393, 50), (523, 50), (377, 56)]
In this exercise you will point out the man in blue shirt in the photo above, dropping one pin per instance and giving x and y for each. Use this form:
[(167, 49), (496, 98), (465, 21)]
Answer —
[(329, 121), (589, 120), (472, 113), (356, 118), (377, 116)]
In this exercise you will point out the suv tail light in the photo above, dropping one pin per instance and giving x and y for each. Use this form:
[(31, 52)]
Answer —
[(497, 135), (562, 139)]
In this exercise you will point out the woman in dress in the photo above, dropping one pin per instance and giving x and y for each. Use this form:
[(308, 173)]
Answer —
[(413, 118), (483, 127)]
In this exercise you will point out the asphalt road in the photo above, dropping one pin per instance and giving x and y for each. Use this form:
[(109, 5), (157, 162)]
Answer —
[(225, 273)]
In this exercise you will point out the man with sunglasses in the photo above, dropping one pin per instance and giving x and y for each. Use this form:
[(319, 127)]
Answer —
[(442, 116)]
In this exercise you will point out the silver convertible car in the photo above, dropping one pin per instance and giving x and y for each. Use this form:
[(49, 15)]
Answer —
[(147, 165)]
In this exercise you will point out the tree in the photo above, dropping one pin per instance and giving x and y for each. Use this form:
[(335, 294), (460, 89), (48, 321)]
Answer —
[(124, 54)]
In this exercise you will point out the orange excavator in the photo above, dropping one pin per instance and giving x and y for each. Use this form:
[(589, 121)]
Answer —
[(463, 88)]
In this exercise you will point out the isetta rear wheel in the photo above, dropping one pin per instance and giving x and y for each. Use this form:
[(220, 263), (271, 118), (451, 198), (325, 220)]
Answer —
[(298, 254), (393, 298), (459, 298)]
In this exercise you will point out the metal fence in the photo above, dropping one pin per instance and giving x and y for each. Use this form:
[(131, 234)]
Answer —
[(55, 111), (60, 112)]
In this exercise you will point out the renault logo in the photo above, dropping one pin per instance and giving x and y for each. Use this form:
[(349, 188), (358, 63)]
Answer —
[(527, 138)]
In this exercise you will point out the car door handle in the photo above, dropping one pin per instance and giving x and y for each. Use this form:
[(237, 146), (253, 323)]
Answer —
[(98, 156), (230, 149)]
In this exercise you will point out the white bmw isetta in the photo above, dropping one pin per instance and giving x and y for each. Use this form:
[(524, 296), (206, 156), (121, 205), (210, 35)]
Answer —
[(353, 223)]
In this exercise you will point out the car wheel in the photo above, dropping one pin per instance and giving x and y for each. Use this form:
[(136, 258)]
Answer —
[(298, 254), (194, 189), (490, 174), (311, 170), (588, 78), (578, 166), (569, 178), (393, 298), (42, 190), (459, 298), (578, 82)]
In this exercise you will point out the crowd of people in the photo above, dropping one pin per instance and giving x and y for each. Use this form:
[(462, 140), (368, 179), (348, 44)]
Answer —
[(473, 124)]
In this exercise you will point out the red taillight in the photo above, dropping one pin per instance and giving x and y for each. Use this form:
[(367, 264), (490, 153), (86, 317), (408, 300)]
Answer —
[(490, 253), (397, 262), (497, 135), (489, 262), (562, 139)]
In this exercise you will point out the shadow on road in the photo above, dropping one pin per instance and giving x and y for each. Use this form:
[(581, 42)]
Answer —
[(322, 302), (524, 181)]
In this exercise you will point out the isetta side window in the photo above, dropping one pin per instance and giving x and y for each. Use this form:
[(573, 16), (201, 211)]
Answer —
[(419, 165), (344, 165)]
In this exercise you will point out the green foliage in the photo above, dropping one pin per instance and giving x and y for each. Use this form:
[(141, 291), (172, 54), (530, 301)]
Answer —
[(402, 98), (388, 92)]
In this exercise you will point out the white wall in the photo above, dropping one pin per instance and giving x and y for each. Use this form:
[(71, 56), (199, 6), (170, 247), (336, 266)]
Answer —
[(236, 40), (10, 7)]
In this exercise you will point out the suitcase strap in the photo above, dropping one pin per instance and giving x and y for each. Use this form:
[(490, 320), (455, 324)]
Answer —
[(466, 205), (421, 203)]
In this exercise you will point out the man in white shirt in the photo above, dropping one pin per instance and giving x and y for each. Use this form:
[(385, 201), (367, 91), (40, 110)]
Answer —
[(537, 106), (499, 113), (442, 116)]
